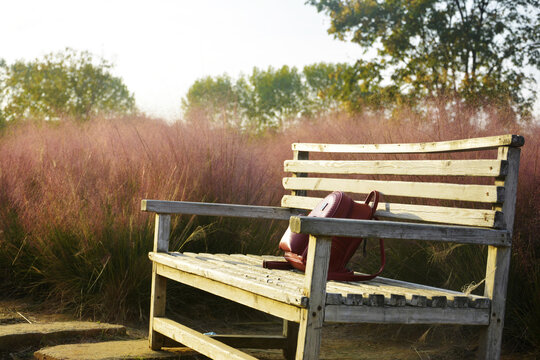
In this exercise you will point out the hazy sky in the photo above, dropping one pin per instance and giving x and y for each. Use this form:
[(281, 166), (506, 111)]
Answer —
[(159, 47)]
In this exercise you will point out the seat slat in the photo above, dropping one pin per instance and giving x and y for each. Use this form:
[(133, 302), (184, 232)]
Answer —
[(434, 214), (400, 167), (411, 148), (443, 191), (214, 272), (379, 283), (377, 292)]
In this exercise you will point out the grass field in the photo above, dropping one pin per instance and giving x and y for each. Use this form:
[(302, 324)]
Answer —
[(72, 233)]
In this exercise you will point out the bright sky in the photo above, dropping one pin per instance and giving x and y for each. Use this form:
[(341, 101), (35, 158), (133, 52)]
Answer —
[(160, 47)]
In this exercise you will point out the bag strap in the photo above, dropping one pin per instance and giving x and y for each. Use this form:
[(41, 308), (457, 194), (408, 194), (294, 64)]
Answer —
[(351, 276), (280, 265)]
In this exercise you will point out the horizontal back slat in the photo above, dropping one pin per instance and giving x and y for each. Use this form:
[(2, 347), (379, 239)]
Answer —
[(400, 167), (435, 214), (443, 191), (428, 147), (457, 187)]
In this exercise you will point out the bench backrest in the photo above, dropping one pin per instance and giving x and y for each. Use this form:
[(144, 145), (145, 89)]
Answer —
[(469, 182)]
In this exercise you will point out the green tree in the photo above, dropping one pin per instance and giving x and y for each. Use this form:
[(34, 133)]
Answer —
[(215, 98), (475, 50), (264, 99), (67, 84), (277, 95), (325, 84)]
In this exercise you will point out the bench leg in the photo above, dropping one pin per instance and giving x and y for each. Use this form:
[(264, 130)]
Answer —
[(159, 283), (290, 331), (312, 318), (157, 308), (498, 266)]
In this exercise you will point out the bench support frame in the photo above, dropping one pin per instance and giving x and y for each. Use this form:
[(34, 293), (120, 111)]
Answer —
[(302, 323)]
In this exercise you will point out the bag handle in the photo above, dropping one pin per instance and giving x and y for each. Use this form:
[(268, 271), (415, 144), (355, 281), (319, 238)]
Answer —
[(374, 195)]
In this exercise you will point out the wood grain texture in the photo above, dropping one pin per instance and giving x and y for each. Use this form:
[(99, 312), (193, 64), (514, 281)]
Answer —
[(398, 230), (158, 290), (214, 209), (443, 191), (158, 293), (226, 276), (419, 213), (498, 265), (162, 232), (310, 328), (400, 167), (352, 292), (410, 148), (300, 155), (405, 315), (245, 297), (199, 342)]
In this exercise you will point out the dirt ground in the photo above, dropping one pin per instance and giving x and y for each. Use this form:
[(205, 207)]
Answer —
[(339, 341)]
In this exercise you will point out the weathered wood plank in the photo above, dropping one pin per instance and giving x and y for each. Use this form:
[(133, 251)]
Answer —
[(158, 290), (409, 148), (435, 214), (443, 191), (256, 272), (405, 315), (310, 328), (398, 230), (158, 294), (214, 209), (415, 294), (498, 264), (300, 155), (220, 274), (400, 167), (423, 289), (244, 297), (198, 342), (162, 232)]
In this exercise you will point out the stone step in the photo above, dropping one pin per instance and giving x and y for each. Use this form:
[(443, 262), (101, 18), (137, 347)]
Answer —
[(17, 336), (124, 349)]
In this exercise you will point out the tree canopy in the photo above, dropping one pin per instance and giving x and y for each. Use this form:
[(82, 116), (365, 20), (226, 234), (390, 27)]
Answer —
[(472, 50), (266, 98), (61, 85)]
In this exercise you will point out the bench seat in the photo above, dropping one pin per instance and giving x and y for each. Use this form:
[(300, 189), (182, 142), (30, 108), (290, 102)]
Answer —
[(397, 301)]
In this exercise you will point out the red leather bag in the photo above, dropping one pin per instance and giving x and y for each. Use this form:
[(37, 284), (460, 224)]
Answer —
[(335, 205)]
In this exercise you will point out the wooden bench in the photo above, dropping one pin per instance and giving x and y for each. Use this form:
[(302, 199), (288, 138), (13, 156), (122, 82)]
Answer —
[(477, 188)]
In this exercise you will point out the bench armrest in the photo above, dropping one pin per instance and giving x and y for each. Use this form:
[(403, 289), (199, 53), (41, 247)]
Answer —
[(398, 230), (214, 209)]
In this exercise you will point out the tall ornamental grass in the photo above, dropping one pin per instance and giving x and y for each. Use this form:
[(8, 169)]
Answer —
[(72, 233)]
